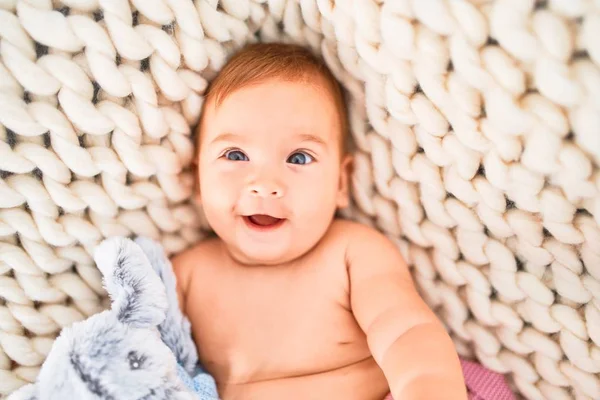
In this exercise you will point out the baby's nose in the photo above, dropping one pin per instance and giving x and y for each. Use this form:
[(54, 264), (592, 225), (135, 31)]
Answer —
[(266, 190)]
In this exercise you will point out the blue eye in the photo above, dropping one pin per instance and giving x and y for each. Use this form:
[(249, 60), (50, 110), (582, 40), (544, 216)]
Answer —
[(300, 158), (236, 155)]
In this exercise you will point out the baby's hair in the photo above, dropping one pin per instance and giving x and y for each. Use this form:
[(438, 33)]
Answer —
[(259, 62)]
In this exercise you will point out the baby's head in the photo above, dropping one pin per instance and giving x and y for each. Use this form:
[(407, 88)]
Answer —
[(272, 164)]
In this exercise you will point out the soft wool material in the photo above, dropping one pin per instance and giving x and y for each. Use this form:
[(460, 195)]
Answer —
[(477, 150)]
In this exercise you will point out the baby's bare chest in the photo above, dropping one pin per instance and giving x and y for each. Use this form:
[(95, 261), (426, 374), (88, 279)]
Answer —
[(271, 323)]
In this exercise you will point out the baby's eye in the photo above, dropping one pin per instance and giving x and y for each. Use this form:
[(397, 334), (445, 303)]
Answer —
[(236, 155), (301, 158)]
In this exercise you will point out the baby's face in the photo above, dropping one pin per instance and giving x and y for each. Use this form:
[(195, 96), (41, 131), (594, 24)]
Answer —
[(271, 170)]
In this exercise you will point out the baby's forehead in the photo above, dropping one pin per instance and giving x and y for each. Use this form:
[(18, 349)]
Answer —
[(300, 106)]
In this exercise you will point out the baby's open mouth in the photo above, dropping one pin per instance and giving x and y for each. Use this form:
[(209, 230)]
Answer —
[(262, 221)]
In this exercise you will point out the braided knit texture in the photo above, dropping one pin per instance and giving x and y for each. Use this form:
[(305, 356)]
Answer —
[(477, 133)]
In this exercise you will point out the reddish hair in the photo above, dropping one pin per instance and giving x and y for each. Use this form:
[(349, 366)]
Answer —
[(260, 62)]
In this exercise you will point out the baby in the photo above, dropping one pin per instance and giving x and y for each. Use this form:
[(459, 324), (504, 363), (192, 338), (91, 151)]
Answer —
[(287, 301)]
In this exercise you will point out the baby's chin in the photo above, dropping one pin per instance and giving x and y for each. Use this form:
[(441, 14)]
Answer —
[(278, 249), (262, 253), (275, 245)]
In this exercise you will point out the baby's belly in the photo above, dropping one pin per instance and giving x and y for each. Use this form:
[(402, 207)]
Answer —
[(363, 380)]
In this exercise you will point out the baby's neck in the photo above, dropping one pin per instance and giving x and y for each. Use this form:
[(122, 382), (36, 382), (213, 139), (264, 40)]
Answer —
[(240, 260)]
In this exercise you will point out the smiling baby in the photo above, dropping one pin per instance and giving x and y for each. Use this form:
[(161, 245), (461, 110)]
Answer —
[(287, 301)]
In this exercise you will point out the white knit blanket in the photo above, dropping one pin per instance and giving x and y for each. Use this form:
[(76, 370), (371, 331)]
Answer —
[(477, 127)]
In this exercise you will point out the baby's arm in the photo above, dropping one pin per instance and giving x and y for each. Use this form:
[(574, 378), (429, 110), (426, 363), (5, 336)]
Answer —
[(182, 267), (405, 337)]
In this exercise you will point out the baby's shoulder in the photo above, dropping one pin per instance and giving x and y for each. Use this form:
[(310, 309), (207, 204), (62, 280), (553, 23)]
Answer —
[(196, 256), (357, 239), (352, 233)]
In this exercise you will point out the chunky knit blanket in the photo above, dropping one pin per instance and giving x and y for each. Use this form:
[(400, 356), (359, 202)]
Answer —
[(477, 132)]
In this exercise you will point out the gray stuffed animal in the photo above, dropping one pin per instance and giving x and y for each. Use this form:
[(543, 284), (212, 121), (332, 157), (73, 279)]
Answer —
[(132, 351)]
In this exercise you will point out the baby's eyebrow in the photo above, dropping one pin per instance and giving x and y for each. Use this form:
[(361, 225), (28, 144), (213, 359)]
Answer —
[(227, 137), (307, 137), (233, 137)]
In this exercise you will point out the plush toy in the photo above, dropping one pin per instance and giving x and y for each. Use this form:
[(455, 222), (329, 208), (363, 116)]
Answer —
[(139, 349)]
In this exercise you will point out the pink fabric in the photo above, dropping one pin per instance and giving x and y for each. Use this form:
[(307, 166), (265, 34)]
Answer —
[(482, 383)]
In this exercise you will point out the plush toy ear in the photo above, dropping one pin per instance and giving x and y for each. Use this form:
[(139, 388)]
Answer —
[(137, 293), (175, 330)]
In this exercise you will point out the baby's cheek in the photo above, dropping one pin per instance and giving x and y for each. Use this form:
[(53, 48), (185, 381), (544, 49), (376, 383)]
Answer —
[(315, 201), (220, 180)]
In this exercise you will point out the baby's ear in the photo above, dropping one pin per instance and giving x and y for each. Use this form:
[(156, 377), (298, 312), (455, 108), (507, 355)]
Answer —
[(196, 177), (137, 293), (343, 192)]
